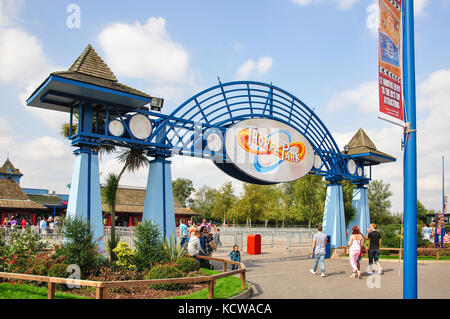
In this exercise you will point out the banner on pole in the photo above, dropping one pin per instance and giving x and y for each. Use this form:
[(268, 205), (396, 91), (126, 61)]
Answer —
[(389, 61)]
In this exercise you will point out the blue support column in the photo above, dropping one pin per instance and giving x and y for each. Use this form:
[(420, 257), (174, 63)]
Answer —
[(84, 197), (360, 203), (158, 205), (410, 159), (334, 217)]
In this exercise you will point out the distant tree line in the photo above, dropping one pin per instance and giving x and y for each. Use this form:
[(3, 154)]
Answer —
[(295, 203)]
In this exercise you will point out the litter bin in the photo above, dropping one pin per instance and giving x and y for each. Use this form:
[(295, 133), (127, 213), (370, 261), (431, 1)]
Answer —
[(254, 244), (328, 247)]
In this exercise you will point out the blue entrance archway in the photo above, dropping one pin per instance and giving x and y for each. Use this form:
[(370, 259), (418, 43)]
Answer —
[(111, 113)]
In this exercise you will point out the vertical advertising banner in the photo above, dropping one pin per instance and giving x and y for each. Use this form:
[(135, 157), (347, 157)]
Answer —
[(389, 61)]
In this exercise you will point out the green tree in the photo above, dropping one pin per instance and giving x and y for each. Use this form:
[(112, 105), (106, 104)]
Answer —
[(203, 201), (305, 199), (255, 202), (182, 189), (148, 242), (421, 213), (347, 192), (378, 194), (224, 202)]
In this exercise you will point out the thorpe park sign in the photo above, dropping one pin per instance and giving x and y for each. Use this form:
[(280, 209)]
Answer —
[(253, 131), (268, 151)]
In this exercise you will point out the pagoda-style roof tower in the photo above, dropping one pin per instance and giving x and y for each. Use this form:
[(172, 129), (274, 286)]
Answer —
[(362, 147), (8, 171), (89, 78)]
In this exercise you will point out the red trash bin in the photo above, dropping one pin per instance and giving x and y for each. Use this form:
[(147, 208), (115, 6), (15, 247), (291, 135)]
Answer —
[(254, 244)]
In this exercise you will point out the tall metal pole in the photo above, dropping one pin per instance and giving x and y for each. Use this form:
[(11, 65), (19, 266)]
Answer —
[(443, 203), (410, 163)]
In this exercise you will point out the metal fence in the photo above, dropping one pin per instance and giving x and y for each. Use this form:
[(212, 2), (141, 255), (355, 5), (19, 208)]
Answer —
[(270, 237), (229, 236)]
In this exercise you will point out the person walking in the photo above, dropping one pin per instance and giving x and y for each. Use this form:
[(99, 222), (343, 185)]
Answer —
[(374, 238), (318, 251), (355, 243)]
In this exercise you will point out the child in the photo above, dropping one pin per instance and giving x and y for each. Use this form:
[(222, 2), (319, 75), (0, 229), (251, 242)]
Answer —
[(235, 255)]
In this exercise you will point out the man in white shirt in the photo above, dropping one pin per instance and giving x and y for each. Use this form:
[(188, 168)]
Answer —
[(195, 249), (318, 251)]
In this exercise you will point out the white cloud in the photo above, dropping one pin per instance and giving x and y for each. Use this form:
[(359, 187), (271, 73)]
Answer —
[(365, 98), (145, 51), (252, 69), (340, 4), (303, 2), (8, 11), (372, 17), (373, 13), (199, 171), (345, 4), (23, 62), (46, 162), (433, 96), (419, 6)]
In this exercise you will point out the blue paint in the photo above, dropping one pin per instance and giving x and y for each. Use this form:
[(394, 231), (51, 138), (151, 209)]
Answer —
[(410, 160), (158, 204), (98, 88), (85, 198), (334, 217), (360, 203)]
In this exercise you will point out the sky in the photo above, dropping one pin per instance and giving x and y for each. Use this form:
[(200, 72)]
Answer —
[(322, 51)]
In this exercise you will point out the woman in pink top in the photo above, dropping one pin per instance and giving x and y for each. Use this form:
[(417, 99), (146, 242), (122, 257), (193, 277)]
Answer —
[(355, 244)]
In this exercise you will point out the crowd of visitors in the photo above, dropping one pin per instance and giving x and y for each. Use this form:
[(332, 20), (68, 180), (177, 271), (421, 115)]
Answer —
[(44, 226), (202, 239)]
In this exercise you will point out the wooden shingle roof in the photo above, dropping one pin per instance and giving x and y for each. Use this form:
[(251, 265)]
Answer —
[(361, 144), (131, 200), (12, 196), (90, 63), (90, 68), (8, 168), (53, 200)]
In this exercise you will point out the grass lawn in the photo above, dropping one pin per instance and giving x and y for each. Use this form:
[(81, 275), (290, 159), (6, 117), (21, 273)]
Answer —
[(22, 291), (224, 288)]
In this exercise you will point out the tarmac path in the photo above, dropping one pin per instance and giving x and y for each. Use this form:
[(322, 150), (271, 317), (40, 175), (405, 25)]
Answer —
[(277, 274)]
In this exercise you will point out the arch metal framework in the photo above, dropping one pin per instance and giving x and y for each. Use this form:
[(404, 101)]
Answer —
[(184, 132)]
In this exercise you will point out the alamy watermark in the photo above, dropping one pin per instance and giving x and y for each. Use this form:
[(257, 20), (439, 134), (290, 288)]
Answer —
[(374, 280), (74, 19), (75, 274)]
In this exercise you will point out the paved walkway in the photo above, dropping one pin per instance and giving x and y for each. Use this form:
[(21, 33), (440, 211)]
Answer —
[(277, 274)]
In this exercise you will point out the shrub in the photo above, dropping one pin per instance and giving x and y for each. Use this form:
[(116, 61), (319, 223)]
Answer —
[(78, 246), (172, 251), (125, 256), (187, 265), (148, 243), (108, 274), (164, 272), (390, 236), (111, 244), (58, 270)]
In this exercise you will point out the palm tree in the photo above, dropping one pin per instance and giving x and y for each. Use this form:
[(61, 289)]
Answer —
[(132, 158), (109, 195)]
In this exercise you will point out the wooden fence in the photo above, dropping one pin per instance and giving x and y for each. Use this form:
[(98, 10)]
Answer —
[(400, 251), (102, 286)]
